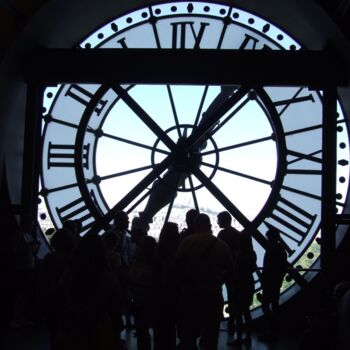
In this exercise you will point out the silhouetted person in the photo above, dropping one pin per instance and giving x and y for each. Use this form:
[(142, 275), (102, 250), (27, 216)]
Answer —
[(165, 293), (202, 264), (90, 301), (142, 288), (274, 270), (21, 279), (126, 249), (125, 246), (110, 239), (243, 287), (137, 235), (342, 308), (230, 236), (190, 218), (51, 271)]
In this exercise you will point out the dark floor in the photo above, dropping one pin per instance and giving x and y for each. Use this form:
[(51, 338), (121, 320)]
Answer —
[(36, 338)]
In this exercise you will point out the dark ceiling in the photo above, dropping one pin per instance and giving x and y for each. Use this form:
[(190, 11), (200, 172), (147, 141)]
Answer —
[(14, 14), (339, 11)]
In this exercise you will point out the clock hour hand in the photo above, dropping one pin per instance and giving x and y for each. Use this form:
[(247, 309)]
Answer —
[(165, 189), (224, 94)]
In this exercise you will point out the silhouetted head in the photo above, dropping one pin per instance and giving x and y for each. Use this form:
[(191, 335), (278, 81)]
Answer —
[(121, 220), (169, 237), (110, 239), (273, 235), (146, 249), (63, 241), (137, 235), (202, 224), (224, 219), (89, 255), (190, 217)]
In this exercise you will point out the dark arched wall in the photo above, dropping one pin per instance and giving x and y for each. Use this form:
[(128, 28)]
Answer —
[(62, 24)]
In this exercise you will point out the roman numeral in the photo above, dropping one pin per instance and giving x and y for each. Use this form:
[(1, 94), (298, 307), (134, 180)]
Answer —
[(76, 210), (295, 99), (62, 156), (292, 221), (250, 43), (302, 157), (122, 43), (84, 96), (182, 31)]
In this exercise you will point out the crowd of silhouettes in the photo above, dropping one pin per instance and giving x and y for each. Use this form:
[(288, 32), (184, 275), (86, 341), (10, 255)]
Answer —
[(168, 291)]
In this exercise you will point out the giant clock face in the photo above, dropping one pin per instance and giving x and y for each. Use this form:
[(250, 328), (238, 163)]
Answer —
[(254, 152)]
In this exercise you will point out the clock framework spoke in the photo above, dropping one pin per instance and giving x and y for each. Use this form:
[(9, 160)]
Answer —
[(238, 145), (126, 172), (143, 115), (193, 191), (233, 172), (134, 143), (172, 103), (200, 107)]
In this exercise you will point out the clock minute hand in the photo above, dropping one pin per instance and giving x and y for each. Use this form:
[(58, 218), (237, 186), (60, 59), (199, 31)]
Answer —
[(164, 189)]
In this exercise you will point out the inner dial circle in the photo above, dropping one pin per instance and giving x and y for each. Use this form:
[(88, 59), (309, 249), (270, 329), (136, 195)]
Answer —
[(187, 161)]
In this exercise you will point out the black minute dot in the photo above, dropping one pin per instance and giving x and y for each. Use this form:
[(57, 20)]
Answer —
[(100, 35), (342, 145), (293, 47), (206, 9), (342, 179), (340, 128), (49, 94), (87, 45), (339, 196), (190, 8), (158, 11), (310, 255), (43, 216), (144, 15), (173, 8), (222, 12), (235, 15), (114, 27), (279, 37), (129, 20), (266, 28), (251, 20)]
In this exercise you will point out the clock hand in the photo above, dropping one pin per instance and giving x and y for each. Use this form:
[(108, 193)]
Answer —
[(164, 190), (249, 227), (142, 114)]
